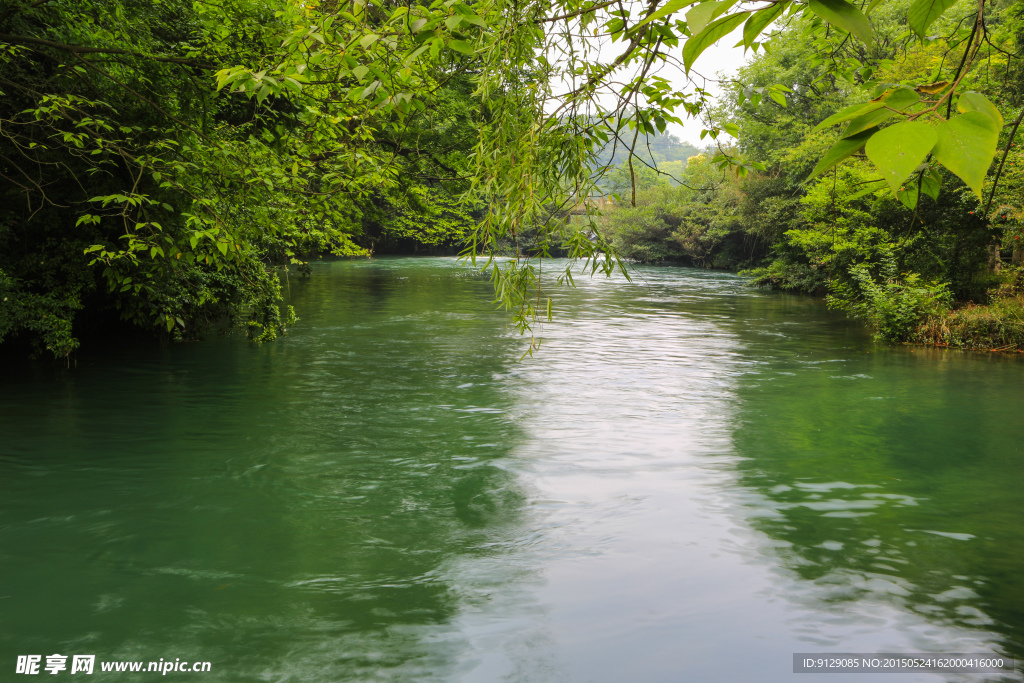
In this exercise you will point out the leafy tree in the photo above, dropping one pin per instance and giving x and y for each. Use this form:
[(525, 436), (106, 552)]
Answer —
[(133, 186), (144, 188), (417, 216)]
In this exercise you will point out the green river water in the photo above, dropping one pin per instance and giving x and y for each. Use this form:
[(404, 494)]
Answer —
[(691, 481)]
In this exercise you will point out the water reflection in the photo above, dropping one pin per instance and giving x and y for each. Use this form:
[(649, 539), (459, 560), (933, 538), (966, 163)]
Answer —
[(285, 511), (691, 481), (723, 485), (890, 479)]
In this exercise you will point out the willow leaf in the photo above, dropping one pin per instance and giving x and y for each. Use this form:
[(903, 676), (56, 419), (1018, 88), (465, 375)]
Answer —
[(714, 32), (759, 20), (706, 12), (669, 8)]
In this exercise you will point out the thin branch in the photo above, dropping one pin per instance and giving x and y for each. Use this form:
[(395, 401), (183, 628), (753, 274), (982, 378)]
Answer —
[(14, 10), (82, 49), (585, 10), (145, 99), (1009, 143)]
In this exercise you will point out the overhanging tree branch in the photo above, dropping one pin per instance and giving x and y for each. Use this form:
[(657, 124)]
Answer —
[(84, 49)]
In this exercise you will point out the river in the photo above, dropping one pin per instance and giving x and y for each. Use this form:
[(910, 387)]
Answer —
[(690, 481)]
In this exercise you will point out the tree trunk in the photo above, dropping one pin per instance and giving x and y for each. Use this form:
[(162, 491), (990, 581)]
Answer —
[(995, 261)]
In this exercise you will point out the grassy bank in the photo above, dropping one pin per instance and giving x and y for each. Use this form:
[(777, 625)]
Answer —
[(997, 325)]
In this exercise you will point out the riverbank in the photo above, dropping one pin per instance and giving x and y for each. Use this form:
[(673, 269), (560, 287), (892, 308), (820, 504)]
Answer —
[(995, 326)]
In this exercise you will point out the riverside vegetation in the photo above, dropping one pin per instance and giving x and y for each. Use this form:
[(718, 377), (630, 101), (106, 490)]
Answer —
[(160, 162), (916, 264)]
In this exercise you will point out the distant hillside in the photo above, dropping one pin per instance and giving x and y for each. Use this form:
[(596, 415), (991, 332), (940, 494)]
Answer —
[(656, 148), (666, 151)]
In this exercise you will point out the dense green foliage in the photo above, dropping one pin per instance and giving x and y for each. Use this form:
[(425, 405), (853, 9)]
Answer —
[(897, 251), (159, 161), (132, 189)]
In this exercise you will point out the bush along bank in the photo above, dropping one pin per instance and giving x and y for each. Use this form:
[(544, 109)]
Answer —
[(934, 259), (997, 325)]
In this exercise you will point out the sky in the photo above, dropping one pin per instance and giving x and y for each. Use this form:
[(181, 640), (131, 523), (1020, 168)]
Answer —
[(721, 59)]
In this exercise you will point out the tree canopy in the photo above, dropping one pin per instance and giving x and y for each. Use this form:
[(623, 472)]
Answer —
[(156, 159)]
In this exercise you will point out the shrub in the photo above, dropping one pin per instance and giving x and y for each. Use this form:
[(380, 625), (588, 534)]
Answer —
[(893, 306), (997, 326)]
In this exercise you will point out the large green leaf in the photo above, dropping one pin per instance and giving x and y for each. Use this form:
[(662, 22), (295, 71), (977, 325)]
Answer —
[(462, 46), (897, 100), (975, 101), (846, 114), (714, 32), (923, 12), (759, 20), (931, 183), (699, 17), (899, 149), (839, 151), (669, 8), (966, 145), (908, 194), (844, 15)]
